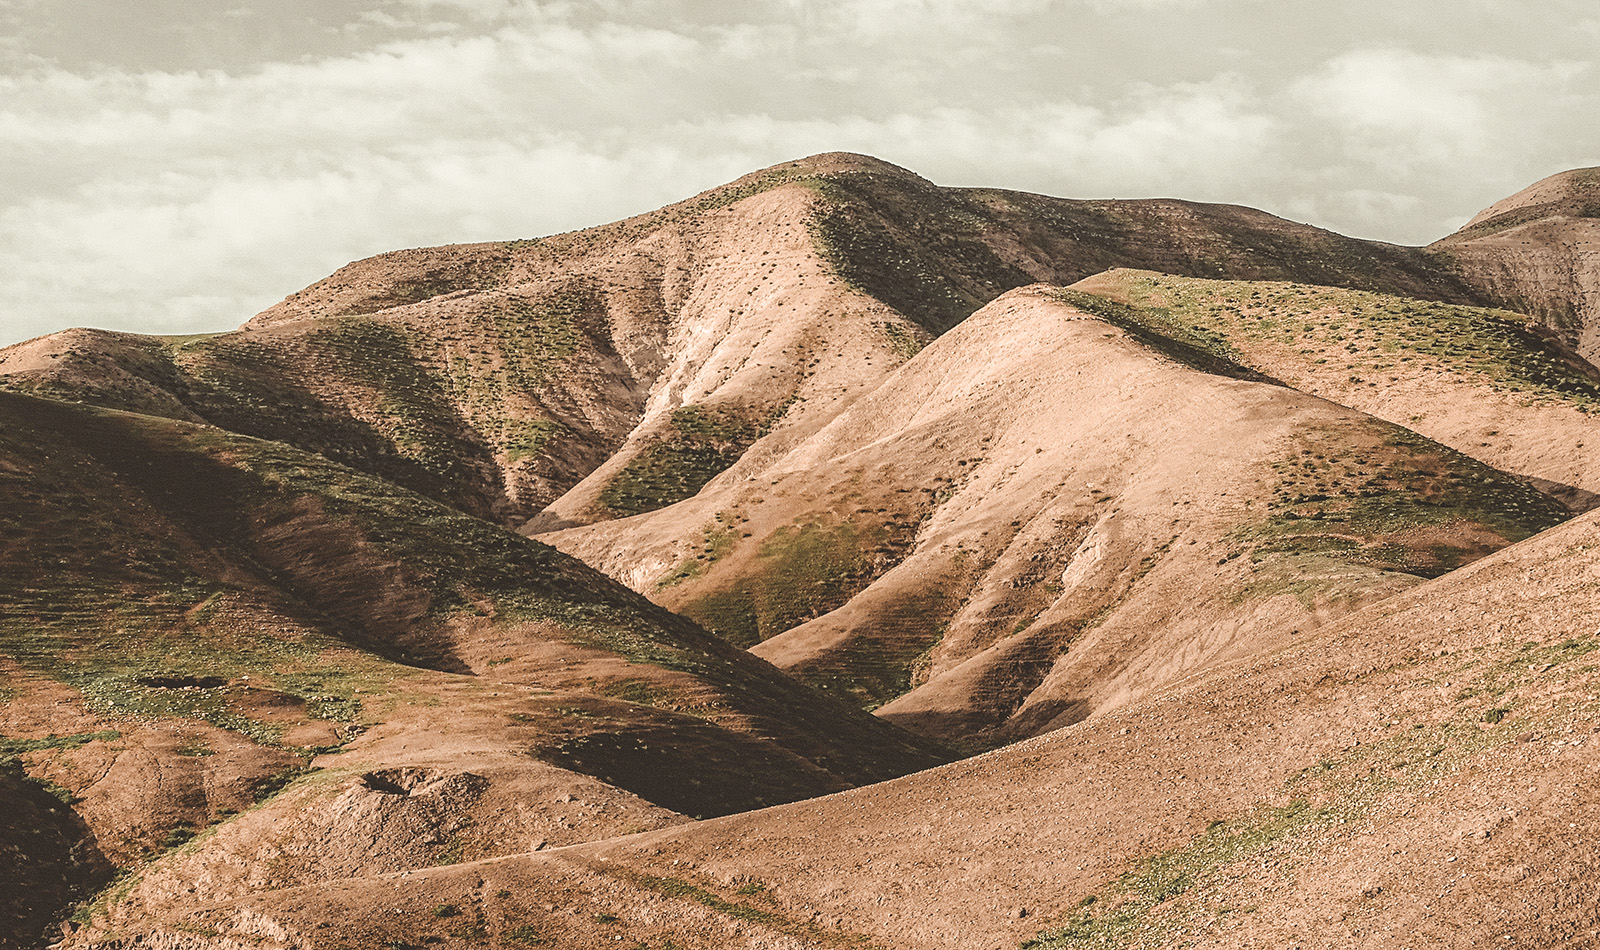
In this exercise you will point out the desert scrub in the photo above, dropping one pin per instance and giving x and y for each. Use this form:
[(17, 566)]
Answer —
[(538, 335), (1364, 334), (1369, 492), (700, 443), (913, 246), (1175, 897), (717, 541), (807, 569), (1195, 347)]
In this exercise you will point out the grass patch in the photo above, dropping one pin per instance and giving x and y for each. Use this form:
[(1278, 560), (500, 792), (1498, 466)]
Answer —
[(701, 443), (1370, 493)]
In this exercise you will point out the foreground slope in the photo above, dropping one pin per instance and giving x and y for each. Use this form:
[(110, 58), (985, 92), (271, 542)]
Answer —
[(1420, 773), (1048, 512), (194, 618), (1538, 252), (1493, 384), (605, 372)]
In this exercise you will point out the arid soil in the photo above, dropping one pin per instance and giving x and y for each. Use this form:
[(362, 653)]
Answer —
[(1419, 774), (1234, 553), (1039, 517)]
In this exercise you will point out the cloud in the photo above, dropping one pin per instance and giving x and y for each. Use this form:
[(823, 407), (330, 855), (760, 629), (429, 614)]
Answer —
[(188, 199)]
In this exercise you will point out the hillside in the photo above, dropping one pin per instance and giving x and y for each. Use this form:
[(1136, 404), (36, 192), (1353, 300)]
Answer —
[(1419, 773), (1048, 512), (613, 587), (196, 619), (1536, 252), (605, 372), (1491, 384)]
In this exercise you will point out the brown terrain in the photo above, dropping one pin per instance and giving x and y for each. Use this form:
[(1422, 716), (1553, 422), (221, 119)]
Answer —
[(1239, 544)]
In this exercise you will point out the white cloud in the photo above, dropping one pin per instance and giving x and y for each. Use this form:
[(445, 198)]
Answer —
[(188, 199)]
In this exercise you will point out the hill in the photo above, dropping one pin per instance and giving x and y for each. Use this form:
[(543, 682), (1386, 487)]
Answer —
[(1418, 772), (1047, 512), (1536, 252), (602, 373), (195, 620), (1492, 384)]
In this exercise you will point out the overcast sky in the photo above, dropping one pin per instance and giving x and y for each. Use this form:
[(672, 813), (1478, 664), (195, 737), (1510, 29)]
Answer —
[(174, 166)]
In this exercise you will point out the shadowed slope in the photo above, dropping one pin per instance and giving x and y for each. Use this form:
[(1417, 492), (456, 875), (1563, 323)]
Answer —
[(1048, 512), (192, 615)]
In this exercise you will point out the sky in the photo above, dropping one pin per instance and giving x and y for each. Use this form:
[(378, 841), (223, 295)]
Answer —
[(175, 166)]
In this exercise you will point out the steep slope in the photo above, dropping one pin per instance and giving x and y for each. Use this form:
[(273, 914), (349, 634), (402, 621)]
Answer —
[(605, 372), (1492, 384), (1420, 773), (1538, 252), (194, 618), (1048, 512)]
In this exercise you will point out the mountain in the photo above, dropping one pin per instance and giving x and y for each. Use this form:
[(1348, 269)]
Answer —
[(195, 619), (1047, 512), (605, 372), (1535, 252), (1420, 773), (1238, 541)]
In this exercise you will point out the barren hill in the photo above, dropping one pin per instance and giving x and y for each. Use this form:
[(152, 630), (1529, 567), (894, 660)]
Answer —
[(1493, 384), (1047, 512), (194, 618), (1420, 773), (605, 372), (270, 646), (1536, 252)]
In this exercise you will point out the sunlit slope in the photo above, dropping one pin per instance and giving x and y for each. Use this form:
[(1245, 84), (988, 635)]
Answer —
[(1048, 512), (1538, 252), (1492, 384)]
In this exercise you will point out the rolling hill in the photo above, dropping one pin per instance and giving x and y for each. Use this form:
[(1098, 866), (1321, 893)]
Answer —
[(1419, 773), (195, 620), (1048, 512), (638, 586)]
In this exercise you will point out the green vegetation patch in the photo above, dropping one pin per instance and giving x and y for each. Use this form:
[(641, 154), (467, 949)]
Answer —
[(701, 443), (1193, 346), (807, 569), (538, 335), (1368, 493), (1367, 335)]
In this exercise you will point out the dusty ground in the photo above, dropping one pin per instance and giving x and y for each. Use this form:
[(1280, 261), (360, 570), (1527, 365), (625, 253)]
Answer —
[(1419, 774), (1035, 519)]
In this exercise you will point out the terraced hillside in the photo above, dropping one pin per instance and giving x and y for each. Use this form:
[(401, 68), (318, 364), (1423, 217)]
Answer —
[(1493, 384), (1050, 511), (195, 619)]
